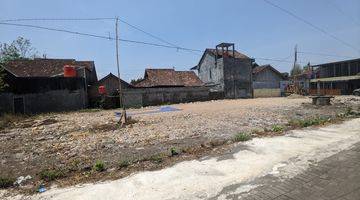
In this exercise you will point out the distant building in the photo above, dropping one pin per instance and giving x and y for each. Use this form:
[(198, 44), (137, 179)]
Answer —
[(268, 82), (227, 72), (341, 77), (111, 85), (266, 76), (39, 85), (168, 78)]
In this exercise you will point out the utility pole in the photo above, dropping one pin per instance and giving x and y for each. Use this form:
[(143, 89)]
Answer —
[(295, 56), (123, 117)]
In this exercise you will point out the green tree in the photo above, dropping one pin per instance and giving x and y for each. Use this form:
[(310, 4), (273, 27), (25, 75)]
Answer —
[(20, 48), (135, 81), (297, 69)]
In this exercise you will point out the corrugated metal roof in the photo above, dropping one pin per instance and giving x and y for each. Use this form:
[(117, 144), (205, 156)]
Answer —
[(339, 78)]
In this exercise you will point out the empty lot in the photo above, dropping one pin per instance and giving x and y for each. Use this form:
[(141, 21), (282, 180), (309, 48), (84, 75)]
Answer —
[(76, 140)]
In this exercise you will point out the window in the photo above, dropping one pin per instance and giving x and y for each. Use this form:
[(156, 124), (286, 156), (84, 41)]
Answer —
[(210, 74)]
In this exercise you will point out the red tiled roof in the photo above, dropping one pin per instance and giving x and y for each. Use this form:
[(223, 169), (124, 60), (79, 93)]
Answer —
[(168, 77), (40, 67), (189, 78)]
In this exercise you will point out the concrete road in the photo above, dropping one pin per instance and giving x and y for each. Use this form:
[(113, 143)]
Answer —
[(319, 163)]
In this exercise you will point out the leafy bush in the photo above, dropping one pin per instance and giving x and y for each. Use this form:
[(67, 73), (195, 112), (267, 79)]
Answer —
[(6, 182), (241, 137), (50, 175), (174, 151), (277, 128), (99, 166)]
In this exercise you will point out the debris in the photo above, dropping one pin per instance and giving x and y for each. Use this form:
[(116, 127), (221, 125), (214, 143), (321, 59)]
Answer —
[(42, 188), (20, 180)]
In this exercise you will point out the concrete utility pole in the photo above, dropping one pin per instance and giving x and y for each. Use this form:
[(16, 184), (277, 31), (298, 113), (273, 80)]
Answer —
[(123, 117)]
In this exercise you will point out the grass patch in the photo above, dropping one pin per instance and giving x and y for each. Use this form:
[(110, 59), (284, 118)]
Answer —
[(277, 128), (6, 182), (50, 175), (99, 166), (308, 122), (241, 137), (124, 163), (157, 158)]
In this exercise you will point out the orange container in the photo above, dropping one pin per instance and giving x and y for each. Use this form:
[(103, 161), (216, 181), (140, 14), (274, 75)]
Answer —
[(102, 89), (69, 71)]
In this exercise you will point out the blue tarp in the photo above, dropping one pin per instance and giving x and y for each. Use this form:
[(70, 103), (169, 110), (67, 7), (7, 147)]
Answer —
[(159, 110)]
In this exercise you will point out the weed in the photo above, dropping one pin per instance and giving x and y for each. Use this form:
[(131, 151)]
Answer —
[(124, 163), (241, 137), (174, 151), (277, 128), (308, 122), (50, 175), (157, 158), (6, 182), (99, 166)]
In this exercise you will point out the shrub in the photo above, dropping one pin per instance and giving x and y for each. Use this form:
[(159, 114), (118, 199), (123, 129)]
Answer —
[(174, 151), (157, 158), (277, 128), (124, 163), (6, 182), (308, 122), (241, 137), (99, 166), (50, 175)]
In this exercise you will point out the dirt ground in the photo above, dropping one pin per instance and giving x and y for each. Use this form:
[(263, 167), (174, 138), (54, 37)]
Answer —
[(76, 140)]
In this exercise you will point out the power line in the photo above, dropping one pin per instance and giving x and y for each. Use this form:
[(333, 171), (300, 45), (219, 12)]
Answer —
[(312, 25), (147, 33), (333, 3), (99, 36), (129, 41), (58, 19), (326, 55)]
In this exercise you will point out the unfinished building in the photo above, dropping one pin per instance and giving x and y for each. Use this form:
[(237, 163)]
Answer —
[(336, 78), (226, 72)]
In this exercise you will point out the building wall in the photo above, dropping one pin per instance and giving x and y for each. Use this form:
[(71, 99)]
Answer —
[(237, 78), (267, 79), (267, 92), (345, 68), (139, 97), (51, 101), (212, 74), (41, 94)]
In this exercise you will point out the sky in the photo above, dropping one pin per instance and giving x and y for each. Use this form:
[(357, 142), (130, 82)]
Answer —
[(258, 30)]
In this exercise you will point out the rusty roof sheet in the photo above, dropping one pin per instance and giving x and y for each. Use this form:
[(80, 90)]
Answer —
[(168, 77), (40, 67)]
